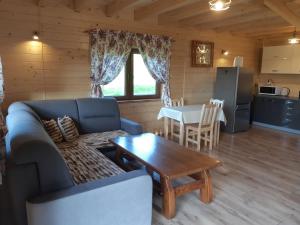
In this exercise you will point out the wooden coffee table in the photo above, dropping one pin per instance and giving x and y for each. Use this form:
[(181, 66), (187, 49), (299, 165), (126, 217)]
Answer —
[(170, 161)]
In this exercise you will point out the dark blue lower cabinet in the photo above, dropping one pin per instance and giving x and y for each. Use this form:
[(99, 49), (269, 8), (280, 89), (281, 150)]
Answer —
[(277, 111)]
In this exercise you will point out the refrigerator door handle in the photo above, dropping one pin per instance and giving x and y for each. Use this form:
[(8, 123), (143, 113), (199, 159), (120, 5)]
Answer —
[(243, 106)]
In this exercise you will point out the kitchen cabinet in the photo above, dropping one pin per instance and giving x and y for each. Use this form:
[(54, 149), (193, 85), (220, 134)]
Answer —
[(291, 116), (281, 59), (277, 111)]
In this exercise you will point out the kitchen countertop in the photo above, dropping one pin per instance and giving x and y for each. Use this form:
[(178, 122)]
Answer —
[(278, 97)]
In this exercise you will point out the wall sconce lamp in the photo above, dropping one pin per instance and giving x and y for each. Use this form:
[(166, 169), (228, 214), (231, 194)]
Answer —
[(35, 36), (225, 52), (294, 40)]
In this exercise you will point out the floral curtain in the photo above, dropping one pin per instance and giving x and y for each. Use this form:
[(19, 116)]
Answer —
[(2, 121), (109, 53), (156, 53)]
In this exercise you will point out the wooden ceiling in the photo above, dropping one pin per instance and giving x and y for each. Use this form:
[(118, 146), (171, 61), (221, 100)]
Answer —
[(252, 18)]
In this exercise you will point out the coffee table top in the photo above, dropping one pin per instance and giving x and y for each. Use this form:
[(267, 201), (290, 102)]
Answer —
[(166, 157)]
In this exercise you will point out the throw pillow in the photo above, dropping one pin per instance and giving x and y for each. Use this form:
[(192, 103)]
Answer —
[(53, 130), (68, 128)]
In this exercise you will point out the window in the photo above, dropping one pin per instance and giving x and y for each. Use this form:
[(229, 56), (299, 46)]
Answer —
[(133, 82)]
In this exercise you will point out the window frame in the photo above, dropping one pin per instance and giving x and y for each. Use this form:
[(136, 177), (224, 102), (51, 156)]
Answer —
[(129, 82)]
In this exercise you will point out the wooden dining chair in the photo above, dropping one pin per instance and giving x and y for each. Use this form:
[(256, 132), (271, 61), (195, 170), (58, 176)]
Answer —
[(175, 125), (219, 103), (195, 133)]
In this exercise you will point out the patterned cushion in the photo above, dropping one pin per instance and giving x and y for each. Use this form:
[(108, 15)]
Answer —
[(53, 130), (85, 162), (68, 128)]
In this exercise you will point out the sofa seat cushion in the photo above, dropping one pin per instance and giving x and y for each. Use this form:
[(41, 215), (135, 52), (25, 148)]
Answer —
[(85, 162), (101, 140)]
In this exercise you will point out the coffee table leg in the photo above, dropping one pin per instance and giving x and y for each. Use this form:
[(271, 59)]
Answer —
[(206, 192), (169, 199), (119, 157)]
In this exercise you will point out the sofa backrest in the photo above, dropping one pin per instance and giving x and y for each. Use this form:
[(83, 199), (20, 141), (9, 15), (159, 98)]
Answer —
[(20, 106), (91, 115), (52, 109), (98, 115)]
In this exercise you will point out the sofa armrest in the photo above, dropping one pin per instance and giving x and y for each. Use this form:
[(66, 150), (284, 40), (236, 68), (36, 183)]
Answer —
[(131, 127), (118, 200)]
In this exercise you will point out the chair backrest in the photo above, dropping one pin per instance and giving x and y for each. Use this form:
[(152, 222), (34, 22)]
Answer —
[(178, 102), (217, 102), (208, 115)]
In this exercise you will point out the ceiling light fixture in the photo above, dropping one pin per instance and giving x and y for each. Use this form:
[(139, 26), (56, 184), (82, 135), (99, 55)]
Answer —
[(35, 36), (294, 40), (219, 5)]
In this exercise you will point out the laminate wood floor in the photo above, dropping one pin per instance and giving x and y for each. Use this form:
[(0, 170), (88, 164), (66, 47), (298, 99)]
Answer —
[(258, 184)]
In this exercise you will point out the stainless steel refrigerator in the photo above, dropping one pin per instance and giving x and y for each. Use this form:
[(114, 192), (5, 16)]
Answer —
[(234, 86)]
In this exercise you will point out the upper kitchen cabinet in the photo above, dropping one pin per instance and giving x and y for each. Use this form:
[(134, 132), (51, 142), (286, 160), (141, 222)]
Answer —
[(281, 59)]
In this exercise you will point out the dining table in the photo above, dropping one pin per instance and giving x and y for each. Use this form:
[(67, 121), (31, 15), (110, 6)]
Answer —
[(188, 114)]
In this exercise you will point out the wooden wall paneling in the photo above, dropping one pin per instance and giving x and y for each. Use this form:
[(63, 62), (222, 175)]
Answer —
[(77, 5), (199, 83), (282, 80), (58, 65)]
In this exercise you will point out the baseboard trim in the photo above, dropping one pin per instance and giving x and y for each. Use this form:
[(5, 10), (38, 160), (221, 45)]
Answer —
[(276, 127)]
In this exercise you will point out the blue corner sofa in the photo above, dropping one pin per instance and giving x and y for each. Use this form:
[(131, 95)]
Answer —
[(40, 188)]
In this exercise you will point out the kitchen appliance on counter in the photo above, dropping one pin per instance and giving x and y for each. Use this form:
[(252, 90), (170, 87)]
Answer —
[(234, 85), (285, 91), (269, 90)]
